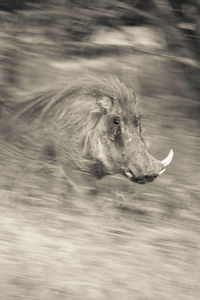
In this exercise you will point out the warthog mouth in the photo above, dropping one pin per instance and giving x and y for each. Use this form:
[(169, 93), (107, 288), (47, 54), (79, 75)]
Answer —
[(141, 179), (150, 177)]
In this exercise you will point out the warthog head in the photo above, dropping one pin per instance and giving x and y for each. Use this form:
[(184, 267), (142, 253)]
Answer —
[(98, 130), (116, 142)]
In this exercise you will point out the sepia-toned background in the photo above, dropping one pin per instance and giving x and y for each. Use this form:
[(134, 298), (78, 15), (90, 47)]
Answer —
[(126, 241)]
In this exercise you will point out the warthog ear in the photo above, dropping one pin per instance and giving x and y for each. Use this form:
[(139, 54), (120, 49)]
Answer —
[(105, 104)]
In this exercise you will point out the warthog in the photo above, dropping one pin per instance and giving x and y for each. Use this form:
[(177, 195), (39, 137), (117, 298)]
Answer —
[(95, 130)]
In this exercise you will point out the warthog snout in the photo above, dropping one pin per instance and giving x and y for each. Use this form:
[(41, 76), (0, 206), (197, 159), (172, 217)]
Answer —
[(146, 170)]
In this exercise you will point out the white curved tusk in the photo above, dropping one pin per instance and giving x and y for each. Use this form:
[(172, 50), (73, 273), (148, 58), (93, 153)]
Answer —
[(162, 171), (165, 162), (128, 174)]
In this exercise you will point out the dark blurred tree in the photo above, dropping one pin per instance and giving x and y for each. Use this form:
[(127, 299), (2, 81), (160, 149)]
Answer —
[(12, 5), (62, 22)]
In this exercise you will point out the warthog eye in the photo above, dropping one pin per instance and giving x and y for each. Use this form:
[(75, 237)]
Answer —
[(114, 128), (116, 120)]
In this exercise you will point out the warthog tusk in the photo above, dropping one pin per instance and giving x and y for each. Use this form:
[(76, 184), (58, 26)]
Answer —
[(128, 174), (165, 162), (162, 171)]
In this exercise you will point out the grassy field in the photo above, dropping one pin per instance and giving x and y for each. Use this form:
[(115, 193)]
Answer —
[(127, 241)]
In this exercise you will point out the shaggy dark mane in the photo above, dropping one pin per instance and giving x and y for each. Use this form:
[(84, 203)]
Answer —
[(49, 102)]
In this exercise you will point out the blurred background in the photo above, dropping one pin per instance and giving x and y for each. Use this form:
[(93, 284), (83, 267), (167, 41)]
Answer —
[(128, 241)]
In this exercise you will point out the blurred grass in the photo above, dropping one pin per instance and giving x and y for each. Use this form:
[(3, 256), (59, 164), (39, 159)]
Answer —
[(121, 240)]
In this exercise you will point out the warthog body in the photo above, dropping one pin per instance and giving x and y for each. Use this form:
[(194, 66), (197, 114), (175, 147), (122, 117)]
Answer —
[(90, 127)]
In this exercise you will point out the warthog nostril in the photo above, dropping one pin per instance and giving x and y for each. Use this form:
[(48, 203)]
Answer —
[(150, 177)]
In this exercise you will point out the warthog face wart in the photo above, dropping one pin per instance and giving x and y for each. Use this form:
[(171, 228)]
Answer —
[(97, 129)]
